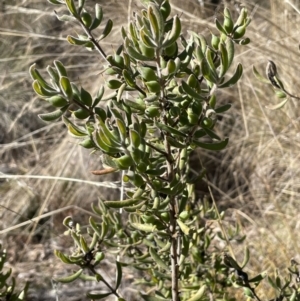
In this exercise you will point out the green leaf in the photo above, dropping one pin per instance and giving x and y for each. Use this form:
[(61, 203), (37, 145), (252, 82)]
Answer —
[(124, 162), (77, 41), (87, 143), (259, 277), (157, 259), (175, 143), (35, 75), (60, 68), (155, 172), (53, 115), (135, 138), (223, 108), (119, 274), (62, 257), (146, 39), (230, 51), (184, 228), (280, 94), (98, 138), (137, 55), (228, 23), (248, 292), (169, 129), (148, 74), (55, 2), (137, 105), (75, 130), (114, 84), (121, 204), (65, 18), (211, 134), (174, 34), (99, 96), (144, 227), (191, 92), (153, 86), (98, 19), (86, 97), (212, 146), (156, 21), (215, 41), (54, 75), (242, 17), (58, 101), (209, 55), (98, 296), (122, 128), (70, 278), (72, 8), (224, 59), (80, 5), (42, 90), (246, 258), (86, 19), (111, 137), (106, 30), (128, 78), (66, 87), (82, 113), (260, 77), (220, 27), (234, 79), (207, 72), (198, 296)]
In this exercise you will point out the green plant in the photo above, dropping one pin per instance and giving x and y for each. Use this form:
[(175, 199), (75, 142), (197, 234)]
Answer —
[(277, 84), (7, 289), (162, 107)]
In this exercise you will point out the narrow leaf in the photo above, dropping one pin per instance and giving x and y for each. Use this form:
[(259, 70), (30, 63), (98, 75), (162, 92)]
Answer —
[(98, 296), (198, 296), (157, 259), (212, 146), (72, 8), (260, 77), (234, 79), (106, 30), (121, 204), (53, 115), (70, 278), (119, 274), (278, 106)]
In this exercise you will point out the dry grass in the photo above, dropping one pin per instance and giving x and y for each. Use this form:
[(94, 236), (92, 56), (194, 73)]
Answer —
[(256, 179)]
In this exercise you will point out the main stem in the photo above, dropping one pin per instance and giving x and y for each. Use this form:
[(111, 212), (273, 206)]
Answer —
[(170, 176), (174, 255)]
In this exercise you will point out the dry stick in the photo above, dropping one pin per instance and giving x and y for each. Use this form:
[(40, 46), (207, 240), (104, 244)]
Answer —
[(35, 220), (113, 185)]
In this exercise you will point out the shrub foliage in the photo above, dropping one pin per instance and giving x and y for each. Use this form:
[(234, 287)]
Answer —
[(159, 104)]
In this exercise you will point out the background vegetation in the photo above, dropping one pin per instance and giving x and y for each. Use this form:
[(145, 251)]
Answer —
[(256, 179)]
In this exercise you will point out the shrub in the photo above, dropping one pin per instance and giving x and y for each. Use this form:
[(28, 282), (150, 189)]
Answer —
[(162, 106)]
